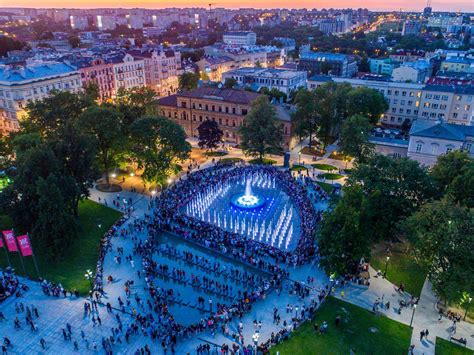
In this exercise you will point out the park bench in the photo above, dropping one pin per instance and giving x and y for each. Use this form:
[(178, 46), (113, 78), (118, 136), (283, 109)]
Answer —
[(459, 340)]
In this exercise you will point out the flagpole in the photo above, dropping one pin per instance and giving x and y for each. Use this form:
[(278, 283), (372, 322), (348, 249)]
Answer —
[(34, 257), (21, 256)]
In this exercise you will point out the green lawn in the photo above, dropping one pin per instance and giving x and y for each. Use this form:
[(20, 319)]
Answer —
[(339, 156), (359, 330), (298, 168), (264, 161), (401, 268), (216, 154), (444, 347), (331, 176), (230, 160), (82, 256), (325, 186), (325, 167)]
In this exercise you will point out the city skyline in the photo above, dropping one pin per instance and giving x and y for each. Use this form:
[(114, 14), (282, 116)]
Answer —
[(405, 5)]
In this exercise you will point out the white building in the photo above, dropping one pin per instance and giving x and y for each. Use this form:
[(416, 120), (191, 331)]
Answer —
[(285, 81), (20, 85), (128, 72), (134, 21), (413, 72), (243, 38), (104, 23), (78, 22)]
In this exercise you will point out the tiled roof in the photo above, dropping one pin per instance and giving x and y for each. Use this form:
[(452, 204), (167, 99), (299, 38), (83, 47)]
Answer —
[(171, 101), (447, 131), (226, 95)]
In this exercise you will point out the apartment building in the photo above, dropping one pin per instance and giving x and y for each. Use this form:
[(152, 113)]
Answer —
[(285, 81), (129, 72), (101, 73), (227, 107), (215, 67), (334, 64), (242, 38), (162, 69), (21, 84), (409, 101)]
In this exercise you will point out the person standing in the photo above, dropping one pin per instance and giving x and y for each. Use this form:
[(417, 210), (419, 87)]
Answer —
[(426, 334), (422, 335)]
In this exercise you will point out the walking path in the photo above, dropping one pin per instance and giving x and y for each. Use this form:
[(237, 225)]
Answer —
[(56, 312)]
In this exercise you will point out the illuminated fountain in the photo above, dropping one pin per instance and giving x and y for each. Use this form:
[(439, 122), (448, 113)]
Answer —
[(248, 200), (252, 206)]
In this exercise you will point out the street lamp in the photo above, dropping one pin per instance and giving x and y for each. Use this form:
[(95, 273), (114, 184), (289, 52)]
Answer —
[(89, 276), (467, 307), (299, 157), (386, 264), (413, 314)]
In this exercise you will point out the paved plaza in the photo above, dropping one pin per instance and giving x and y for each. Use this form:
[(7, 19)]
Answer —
[(124, 265)]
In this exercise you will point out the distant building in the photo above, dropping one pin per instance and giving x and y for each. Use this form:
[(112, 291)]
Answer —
[(335, 64), (134, 21), (21, 84), (99, 72), (152, 31), (413, 72), (162, 69), (78, 22), (411, 28), (213, 68), (286, 81), (227, 107), (105, 23), (243, 38), (383, 66), (289, 44), (129, 72), (331, 25), (458, 65)]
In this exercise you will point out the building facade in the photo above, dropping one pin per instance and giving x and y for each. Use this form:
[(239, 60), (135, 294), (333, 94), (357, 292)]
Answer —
[(100, 73), (129, 72), (22, 84), (286, 81), (340, 65), (227, 107), (242, 38)]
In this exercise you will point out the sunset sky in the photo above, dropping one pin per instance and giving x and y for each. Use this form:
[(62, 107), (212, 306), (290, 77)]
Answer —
[(441, 5)]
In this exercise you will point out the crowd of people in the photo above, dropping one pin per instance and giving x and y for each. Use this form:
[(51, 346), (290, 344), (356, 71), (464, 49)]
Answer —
[(10, 285), (168, 216)]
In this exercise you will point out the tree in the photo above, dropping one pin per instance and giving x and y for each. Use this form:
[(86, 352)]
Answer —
[(8, 44), (442, 234), (74, 41), (394, 189), (355, 135), (331, 109), (210, 135), (159, 145), (304, 117), (342, 241), (56, 235), (230, 83), (364, 65), (366, 102), (448, 167), (188, 81), (105, 124), (261, 132)]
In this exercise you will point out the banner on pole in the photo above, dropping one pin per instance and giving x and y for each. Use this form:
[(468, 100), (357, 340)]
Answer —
[(10, 241), (25, 245), (1, 242)]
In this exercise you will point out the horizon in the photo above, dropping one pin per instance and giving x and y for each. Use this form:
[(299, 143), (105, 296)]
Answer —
[(372, 5)]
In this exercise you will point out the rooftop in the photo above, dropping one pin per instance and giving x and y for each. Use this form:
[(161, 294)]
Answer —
[(441, 130), (265, 72), (34, 72), (324, 56), (218, 94)]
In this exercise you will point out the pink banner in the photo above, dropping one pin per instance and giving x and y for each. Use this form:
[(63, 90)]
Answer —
[(25, 246), (10, 241)]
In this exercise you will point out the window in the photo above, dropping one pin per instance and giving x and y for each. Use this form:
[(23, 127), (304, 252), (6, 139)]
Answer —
[(183, 104), (468, 147), (444, 97), (449, 148), (434, 148), (428, 96), (419, 146)]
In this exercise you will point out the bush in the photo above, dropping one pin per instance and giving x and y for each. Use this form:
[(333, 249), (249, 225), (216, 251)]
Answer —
[(264, 161), (298, 168), (326, 167), (216, 154), (230, 160), (330, 176)]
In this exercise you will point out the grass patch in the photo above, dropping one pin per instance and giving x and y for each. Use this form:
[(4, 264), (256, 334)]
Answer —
[(325, 167), (298, 168), (216, 154), (401, 268), (230, 160), (264, 161), (325, 186), (312, 151), (354, 332), (444, 347), (82, 256), (331, 176)]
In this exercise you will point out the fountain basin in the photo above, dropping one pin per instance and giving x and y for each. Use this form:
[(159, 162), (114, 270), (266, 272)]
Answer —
[(247, 202)]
